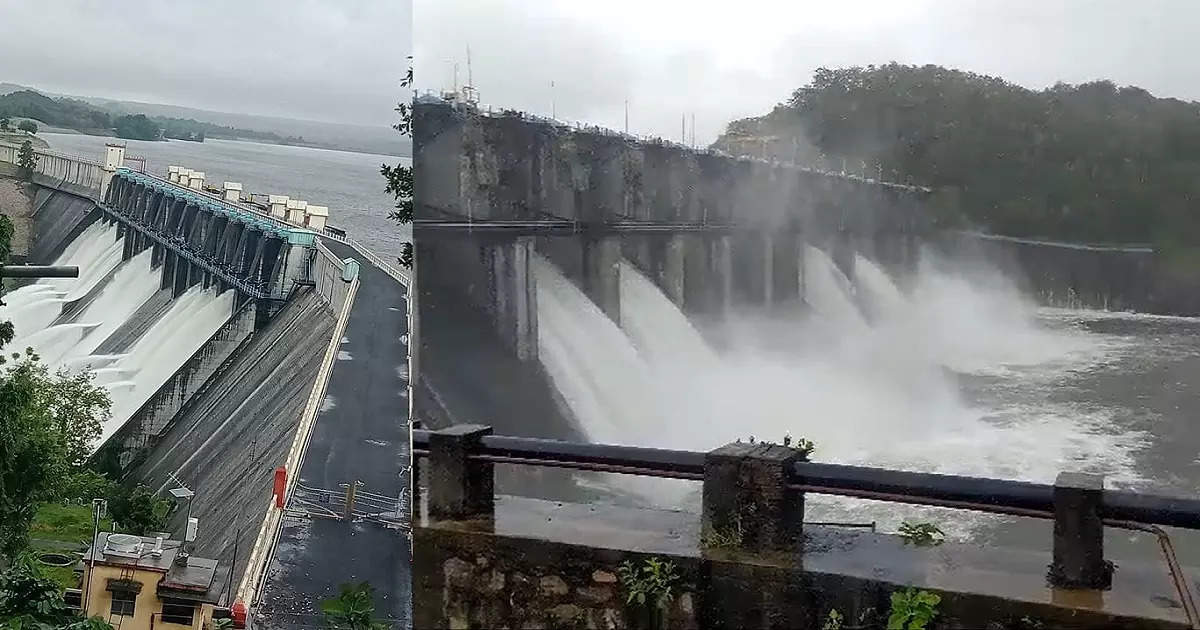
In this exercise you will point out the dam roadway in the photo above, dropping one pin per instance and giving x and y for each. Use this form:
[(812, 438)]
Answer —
[(360, 434)]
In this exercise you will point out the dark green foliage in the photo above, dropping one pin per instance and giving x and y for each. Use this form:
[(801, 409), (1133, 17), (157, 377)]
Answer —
[(26, 161), (32, 601), (28, 125), (44, 421), (1092, 162), (400, 177), (62, 112), (913, 609), (4, 124), (137, 127), (137, 511), (353, 608)]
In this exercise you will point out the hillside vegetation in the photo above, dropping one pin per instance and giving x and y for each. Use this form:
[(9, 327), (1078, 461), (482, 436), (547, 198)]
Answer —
[(1091, 162)]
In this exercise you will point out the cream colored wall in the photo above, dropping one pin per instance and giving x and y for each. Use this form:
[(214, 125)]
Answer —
[(147, 604), (200, 621)]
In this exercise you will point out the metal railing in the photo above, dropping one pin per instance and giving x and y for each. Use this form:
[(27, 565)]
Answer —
[(1117, 508), (488, 111)]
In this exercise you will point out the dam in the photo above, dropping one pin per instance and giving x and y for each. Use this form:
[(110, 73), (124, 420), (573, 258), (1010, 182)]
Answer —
[(650, 304), (254, 355)]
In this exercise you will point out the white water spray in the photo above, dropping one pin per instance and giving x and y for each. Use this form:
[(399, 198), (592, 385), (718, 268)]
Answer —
[(876, 394)]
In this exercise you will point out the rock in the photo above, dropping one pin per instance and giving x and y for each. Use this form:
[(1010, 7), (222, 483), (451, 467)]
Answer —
[(495, 583), (566, 612), (482, 562), (603, 577), (533, 625), (458, 573), (594, 594), (553, 585), (686, 605), (611, 619)]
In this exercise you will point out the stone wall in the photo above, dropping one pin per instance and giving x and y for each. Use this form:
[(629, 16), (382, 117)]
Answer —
[(16, 203), (543, 564)]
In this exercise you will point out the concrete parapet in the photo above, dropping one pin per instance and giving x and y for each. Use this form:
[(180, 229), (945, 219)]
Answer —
[(233, 191)]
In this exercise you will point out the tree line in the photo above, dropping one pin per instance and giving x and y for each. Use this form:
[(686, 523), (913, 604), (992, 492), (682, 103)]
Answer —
[(81, 116), (1092, 162)]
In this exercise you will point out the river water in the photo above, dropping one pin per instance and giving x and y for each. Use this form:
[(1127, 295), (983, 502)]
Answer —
[(348, 183), (960, 374)]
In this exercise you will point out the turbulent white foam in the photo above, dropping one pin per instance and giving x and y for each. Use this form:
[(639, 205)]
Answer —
[(884, 394), (133, 283), (120, 289), (190, 321)]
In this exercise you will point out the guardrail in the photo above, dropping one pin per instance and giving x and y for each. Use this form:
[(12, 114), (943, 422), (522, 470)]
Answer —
[(462, 458)]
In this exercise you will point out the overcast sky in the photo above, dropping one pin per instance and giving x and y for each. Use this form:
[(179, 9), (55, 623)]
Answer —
[(329, 60), (723, 60)]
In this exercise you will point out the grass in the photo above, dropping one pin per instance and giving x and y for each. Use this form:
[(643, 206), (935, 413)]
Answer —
[(66, 524)]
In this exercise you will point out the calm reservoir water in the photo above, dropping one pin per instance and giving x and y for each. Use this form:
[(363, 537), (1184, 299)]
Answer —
[(348, 183)]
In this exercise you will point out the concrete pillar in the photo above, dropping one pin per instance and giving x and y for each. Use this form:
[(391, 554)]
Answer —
[(601, 273), (1079, 533), (196, 180), (751, 265), (168, 269), (185, 175), (114, 158), (233, 191), (841, 251), (785, 267), (459, 487), (699, 292), (674, 268), (722, 272), (516, 295), (746, 498), (173, 173)]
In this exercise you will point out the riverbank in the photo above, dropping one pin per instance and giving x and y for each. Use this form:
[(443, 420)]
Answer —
[(19, 137), (306, 145)]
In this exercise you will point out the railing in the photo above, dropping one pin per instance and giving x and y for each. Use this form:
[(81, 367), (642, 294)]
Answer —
[(488, 111), (1077, 503)]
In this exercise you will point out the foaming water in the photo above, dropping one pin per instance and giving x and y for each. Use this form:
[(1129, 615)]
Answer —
[(190, 321), (827, 290), (133, 283), (117, 289), (885, 394)]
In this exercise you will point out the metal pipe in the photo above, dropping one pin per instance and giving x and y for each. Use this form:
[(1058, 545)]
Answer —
[(38, 271)]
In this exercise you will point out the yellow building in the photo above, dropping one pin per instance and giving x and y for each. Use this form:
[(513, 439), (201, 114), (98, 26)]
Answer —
[(140, 583)]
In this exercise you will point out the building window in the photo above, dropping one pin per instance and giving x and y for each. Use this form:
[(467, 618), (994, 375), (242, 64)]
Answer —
[(122, 603), (178, 612)]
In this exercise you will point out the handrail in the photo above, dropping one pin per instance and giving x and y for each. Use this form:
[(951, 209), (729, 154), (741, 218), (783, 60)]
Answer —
[(974, 493)]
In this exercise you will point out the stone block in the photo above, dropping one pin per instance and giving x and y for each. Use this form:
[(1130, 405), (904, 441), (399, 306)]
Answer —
[(746, 498), (459, 487)]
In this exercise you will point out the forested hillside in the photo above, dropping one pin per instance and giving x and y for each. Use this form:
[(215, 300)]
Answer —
[(1092, 162)]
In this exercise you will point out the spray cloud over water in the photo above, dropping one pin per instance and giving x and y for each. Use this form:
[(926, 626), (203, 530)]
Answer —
[(885, 393)]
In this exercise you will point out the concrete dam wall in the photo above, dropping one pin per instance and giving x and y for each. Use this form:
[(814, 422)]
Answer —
[(227, 440), (495, 193)]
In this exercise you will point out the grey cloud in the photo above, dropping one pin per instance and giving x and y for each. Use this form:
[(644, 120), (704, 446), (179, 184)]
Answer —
[(330, 60), (519, 46)]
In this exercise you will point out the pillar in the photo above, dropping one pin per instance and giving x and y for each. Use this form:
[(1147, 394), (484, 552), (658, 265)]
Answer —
[(751, 268), (721, 268), (1079, 533), (745, 494), (674, 268), (460, 487), (785, 267), (515, 294), (601, 273)]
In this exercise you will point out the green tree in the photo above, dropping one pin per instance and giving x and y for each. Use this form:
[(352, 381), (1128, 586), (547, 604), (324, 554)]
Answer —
[(28, 125), (1092, 162), (4, 124), (44, 420), (400, 177), (138, 511), (26, 161), (29, 600), (137, 127), (353, 608)]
